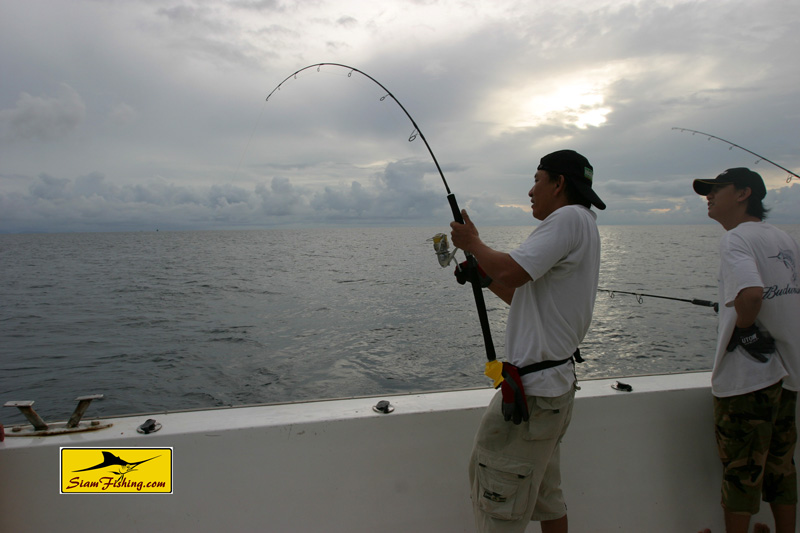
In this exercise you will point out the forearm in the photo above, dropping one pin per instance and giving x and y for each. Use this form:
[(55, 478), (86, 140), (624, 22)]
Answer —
[(500, 266), (503, 292), (747, 305), (506, 273)]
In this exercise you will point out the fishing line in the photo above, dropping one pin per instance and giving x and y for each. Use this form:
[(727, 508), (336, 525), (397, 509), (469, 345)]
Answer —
[(640, 298), (734, 145), (249, 141), (417, 132)]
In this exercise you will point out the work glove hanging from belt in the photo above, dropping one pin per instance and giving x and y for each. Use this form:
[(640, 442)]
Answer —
[(757, 343), (515, 406), (463, 273)]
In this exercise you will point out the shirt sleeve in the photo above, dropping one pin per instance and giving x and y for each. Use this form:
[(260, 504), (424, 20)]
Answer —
[(738, 267), (549, 244)]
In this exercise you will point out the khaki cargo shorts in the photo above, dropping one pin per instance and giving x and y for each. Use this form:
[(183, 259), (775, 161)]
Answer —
[(515, 470), (756, 437)]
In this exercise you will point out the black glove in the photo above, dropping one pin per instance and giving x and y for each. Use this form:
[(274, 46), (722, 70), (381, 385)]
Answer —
[(515, 406), (463, 273), (757, 343)]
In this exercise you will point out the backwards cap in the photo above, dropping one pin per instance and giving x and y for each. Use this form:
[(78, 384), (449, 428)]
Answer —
[(577, 169)]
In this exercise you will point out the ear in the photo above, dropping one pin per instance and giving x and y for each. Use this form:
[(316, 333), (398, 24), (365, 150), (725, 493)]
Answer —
[(744, 194), (560, 184)]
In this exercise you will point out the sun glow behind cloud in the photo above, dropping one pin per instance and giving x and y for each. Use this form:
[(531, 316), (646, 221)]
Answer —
[(577, 98), (579, 103)]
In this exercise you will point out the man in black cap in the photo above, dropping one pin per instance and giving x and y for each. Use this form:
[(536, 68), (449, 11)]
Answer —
[(550, 281), (756, 371)]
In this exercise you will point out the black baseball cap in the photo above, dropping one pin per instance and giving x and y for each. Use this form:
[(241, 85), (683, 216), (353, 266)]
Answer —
[(577, 169), (740, 177)]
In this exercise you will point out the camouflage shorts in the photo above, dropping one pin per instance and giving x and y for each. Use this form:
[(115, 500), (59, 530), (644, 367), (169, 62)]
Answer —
[(756, 436)]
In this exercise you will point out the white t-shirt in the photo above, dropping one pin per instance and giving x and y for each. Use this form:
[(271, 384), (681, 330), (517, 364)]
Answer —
[(757, 254), (550, 315)]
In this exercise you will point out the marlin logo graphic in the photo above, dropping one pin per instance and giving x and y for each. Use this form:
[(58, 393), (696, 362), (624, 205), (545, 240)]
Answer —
[(111, 460), (787, 258)]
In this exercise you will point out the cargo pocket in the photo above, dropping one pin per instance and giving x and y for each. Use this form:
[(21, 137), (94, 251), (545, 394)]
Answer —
[(548, 417), (502, 486)]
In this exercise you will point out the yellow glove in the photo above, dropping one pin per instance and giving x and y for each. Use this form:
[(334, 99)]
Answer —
[(494, 371)]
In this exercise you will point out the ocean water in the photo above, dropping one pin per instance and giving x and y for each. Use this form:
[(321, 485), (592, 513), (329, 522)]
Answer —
[(161, 321)]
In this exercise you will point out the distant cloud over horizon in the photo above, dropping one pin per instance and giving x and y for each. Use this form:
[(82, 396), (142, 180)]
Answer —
[(397, 197)]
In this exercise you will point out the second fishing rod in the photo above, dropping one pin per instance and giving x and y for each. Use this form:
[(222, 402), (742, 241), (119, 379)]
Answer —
[(640, 298)]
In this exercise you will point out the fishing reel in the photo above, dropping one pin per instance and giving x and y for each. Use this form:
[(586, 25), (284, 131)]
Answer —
[(442, 248)]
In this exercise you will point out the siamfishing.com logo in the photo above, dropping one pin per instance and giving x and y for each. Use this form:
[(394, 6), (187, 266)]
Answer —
[(116, 470)]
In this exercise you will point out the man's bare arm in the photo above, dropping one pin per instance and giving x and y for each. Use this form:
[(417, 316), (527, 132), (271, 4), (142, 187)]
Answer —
[(506, 273), (747, 305)]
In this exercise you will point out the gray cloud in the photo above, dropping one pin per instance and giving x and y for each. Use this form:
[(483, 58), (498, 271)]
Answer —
[(399, 195), (43, 118), (158, 111)]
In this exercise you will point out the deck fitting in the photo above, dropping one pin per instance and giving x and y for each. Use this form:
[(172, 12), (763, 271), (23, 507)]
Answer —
[(83, 404), (42, 429), (383, 407), (26, 408)]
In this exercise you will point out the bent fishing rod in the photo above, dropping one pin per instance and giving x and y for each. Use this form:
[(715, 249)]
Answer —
[(734, 145), (474, 274), (640, 298)]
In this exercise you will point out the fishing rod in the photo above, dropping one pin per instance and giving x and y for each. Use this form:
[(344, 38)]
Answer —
[(451, 198), (760, 157), (640, 298)]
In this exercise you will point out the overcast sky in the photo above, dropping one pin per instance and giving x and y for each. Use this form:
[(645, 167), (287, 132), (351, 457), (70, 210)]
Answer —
[(152, 114)]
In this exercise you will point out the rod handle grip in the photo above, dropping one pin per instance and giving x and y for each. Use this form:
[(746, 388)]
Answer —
[(451, 198), (706, 303)]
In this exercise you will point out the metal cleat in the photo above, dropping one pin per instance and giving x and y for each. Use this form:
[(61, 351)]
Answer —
[(83, 404), (26, 408), (41, 429)]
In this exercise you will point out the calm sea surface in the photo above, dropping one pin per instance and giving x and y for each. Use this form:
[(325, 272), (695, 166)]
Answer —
[(174, 320)]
